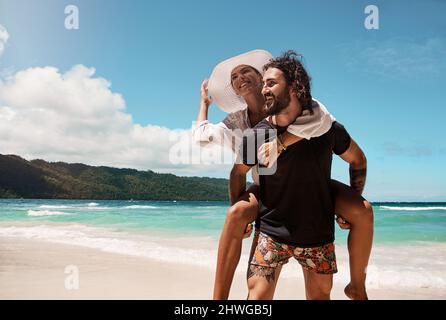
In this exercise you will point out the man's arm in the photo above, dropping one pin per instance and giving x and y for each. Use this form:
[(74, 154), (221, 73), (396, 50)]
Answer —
[(237, 181), (358, 166)]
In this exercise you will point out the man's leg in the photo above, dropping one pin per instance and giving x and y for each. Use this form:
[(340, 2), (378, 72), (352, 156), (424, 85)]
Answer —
[(317, 286), (318, 265), (351, 206), (262, 282), (239, 215), (266, 260)]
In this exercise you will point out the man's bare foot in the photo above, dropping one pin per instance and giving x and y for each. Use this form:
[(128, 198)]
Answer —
[(353, 294)]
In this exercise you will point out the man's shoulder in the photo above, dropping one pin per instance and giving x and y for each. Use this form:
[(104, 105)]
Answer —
[(335, 127), (340, 138), (329, 137)]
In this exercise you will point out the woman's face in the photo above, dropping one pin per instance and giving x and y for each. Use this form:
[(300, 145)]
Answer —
[(246, 80)]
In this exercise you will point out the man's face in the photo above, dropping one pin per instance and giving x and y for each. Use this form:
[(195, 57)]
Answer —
[(275, 90), (245, 80)]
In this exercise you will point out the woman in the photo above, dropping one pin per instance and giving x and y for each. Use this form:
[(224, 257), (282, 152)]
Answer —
[(236, 84)]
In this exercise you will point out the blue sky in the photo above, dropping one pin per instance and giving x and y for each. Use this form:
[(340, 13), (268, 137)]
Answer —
[(386, 86)]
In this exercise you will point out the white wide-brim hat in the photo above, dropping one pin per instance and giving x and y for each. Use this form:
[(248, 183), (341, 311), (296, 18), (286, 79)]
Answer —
[(219, 86)]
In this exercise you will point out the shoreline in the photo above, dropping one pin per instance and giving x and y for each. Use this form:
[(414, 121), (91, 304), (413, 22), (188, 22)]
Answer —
[(35, 269), (176, 200)]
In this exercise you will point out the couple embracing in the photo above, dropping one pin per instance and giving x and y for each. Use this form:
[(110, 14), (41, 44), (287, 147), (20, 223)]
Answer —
[(295, 205)]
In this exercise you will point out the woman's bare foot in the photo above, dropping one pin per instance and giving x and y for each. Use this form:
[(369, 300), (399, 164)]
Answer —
[(354, 294)]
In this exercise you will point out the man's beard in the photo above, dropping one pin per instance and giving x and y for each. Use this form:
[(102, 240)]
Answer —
[(275, 104)]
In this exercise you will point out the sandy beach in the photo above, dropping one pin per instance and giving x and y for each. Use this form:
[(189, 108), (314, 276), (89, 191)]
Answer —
[(36, 270)]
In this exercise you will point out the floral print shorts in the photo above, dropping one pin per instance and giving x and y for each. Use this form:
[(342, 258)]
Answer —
[(271, 254)]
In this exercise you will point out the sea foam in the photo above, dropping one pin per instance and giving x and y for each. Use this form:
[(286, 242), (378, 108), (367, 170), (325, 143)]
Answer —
[(93, 204), (411, 208), (140, 207), (42, 213), (113, 242), (55, 207), (418, 266)]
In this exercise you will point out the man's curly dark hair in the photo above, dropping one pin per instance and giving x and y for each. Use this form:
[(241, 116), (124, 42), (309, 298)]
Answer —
[(295, 75)]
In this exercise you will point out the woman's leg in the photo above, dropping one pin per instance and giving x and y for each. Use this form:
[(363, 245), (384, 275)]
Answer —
[(243, 212), (351, 206)]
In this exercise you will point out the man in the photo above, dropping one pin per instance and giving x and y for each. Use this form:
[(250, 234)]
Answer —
[(296, 208)]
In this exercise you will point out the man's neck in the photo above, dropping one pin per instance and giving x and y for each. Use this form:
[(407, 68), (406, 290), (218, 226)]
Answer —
[(288, 115)]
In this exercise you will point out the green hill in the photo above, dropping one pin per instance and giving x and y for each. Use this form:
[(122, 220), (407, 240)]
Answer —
[(34, 179)]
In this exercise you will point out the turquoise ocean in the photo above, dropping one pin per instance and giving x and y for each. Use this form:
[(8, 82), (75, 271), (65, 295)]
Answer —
[(409, 242)]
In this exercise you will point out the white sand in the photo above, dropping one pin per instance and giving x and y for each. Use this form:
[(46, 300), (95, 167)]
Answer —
[(35, 270)]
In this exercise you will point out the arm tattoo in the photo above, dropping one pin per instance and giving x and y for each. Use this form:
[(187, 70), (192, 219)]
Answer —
[(357, 179), (259, 271)]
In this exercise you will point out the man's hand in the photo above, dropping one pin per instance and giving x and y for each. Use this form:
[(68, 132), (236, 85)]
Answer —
[(248, 231), (343, 224)]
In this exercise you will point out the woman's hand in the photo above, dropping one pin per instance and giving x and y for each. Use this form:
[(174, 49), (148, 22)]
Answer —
[(205, 99), (267, 153)]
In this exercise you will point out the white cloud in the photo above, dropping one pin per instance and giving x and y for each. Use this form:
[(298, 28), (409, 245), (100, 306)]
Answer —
[(4, 36), (75, 117), (403, 58)]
